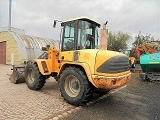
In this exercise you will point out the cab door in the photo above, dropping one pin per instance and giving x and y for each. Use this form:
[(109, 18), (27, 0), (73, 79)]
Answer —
[(68, 46)]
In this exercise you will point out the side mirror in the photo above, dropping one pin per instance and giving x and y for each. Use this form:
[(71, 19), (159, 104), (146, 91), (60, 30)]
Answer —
[(55, 22)]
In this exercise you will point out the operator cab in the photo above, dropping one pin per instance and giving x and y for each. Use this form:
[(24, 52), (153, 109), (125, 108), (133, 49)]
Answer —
[(79, 33)]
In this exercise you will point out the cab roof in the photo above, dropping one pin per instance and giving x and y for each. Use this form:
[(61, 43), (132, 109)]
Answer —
[(83, 18)]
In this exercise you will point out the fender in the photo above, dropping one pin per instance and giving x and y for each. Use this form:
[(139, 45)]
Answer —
[(84, 66), (43, 66)]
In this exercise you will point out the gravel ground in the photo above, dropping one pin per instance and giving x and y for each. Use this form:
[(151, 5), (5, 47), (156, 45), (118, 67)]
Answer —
[(18, 102)]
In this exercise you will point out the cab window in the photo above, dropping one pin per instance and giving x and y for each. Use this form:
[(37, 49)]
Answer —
[(87, 35), (69, 37)]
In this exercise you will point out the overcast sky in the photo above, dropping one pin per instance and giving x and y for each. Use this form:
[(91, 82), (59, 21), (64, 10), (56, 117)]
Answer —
[(36, 16)]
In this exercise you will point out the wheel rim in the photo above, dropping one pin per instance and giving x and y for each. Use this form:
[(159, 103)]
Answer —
[(72, 86), (31, 76)]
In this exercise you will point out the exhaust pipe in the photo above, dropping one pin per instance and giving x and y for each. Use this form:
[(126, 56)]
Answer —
[(104, 37)]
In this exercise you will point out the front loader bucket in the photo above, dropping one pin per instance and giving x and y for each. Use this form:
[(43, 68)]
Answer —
[(18, 74)]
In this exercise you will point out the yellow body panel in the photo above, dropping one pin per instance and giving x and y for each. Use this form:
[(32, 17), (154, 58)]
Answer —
[(86, 56), (66, 55), (102, 56), (41, 68), (50, 65), (109, 80), (88, 59)]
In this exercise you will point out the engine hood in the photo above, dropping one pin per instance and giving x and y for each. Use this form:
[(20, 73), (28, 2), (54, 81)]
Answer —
[(110, 62)]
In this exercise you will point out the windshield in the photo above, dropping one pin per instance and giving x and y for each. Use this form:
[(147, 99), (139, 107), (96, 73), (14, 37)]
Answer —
[(87, 35)]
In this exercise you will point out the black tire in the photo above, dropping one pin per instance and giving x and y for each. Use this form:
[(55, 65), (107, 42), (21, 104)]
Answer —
[(74, 86), (34, 79)]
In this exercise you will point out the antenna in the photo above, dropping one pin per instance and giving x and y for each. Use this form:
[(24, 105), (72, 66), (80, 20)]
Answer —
[(10, 5)]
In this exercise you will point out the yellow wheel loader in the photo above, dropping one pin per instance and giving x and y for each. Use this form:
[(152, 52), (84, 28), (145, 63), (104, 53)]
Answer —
[(79, 67)]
